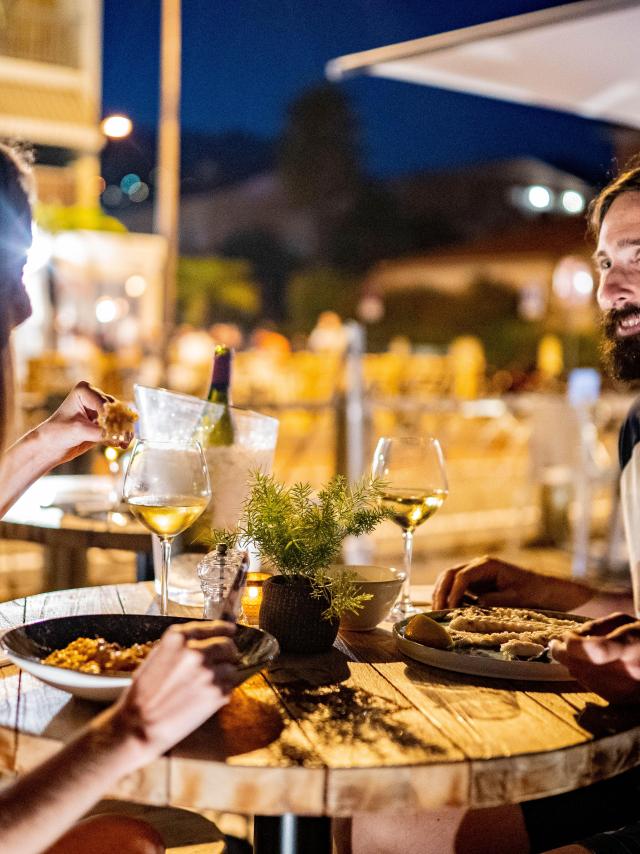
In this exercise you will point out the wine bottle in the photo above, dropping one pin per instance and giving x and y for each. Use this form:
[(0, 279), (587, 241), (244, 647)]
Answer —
[(220, 434), (222, 431)]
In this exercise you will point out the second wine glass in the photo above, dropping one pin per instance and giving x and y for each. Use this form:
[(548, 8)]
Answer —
[(167, 488), (414, 487)]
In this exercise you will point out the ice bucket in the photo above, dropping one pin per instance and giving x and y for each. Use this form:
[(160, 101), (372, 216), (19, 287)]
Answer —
[(168, 416)]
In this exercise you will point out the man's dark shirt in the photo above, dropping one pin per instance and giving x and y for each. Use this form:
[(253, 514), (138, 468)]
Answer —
[(629, 434)]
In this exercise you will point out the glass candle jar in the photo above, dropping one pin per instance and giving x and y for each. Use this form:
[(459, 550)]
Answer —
[(252, 596)]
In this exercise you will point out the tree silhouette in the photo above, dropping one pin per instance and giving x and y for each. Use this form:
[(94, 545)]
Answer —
[(271, 264), (319, 158)]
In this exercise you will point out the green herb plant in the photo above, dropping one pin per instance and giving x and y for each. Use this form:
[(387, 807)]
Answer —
[(298, 533)]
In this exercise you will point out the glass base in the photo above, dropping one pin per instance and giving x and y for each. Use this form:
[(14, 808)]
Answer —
[(184, 584), (182, 595), (402, 610)]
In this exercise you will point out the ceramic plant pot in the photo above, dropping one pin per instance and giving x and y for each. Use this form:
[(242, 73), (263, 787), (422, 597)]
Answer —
[(294, 617)]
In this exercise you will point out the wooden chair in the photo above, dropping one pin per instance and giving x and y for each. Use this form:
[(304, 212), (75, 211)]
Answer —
[(183, 831)]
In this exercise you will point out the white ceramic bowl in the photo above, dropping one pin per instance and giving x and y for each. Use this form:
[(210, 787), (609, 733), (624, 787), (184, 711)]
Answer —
[(383, 583), (28, 645)]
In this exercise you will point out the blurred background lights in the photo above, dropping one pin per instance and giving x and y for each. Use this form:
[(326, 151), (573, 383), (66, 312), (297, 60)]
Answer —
[(539, 197), (69, 246), (135, 286), (116, 127), (106, 310), (572, 280), (138, 192), (583, 282), (129, 182), (39, 252), (572, 201), (112, 196)]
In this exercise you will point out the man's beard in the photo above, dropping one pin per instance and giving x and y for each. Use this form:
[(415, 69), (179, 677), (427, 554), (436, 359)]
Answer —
[(621, 355)]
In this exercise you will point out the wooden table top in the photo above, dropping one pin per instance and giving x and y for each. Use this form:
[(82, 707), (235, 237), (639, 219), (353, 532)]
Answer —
[(359, 729)]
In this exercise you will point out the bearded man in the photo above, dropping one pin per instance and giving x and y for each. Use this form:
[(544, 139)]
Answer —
[(605, 654)]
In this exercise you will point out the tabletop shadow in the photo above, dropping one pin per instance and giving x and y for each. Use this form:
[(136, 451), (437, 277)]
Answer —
[(601, 721), (328, 668), (245, 724)]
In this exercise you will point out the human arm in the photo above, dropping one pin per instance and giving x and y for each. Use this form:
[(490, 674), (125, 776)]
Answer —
[(70, 431), (604, 655), (185, 680), (496, 582)]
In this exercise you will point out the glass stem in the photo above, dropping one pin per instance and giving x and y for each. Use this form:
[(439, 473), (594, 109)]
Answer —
[(164, 577), (405, 597), (114, 497)]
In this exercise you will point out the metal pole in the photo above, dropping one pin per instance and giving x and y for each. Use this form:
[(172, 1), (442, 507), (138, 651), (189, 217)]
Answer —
[(355, 549), (167, 198), (291, 834), (354, 382)]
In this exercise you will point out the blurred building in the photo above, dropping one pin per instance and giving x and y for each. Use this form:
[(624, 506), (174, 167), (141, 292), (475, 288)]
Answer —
[(209, 219), (50, 85), (470, 203), (518, 257)]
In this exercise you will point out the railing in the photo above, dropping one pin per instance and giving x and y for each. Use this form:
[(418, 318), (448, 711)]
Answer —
[(511, 462), (39, 32)]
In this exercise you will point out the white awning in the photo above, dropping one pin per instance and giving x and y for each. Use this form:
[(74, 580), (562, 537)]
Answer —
[(580, 57)]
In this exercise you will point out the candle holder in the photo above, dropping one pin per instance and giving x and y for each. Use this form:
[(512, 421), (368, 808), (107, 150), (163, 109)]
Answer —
[(252, 596)]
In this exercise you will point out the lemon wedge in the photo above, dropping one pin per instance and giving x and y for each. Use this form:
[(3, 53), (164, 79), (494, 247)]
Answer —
[(426, 631)]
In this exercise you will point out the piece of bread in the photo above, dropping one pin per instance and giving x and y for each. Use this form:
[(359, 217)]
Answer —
[(116, 421)]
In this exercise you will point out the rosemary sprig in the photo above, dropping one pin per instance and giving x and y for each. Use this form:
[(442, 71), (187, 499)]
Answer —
[(298, 533)]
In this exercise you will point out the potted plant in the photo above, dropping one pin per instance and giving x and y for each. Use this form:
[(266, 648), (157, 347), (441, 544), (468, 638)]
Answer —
[(298, 535)]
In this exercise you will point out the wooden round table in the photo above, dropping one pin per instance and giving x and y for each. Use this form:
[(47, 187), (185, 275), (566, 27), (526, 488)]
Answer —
[(59, 513), (359, 729)]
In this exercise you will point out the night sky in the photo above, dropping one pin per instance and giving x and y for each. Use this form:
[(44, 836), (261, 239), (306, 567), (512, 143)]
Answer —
[(245, 60)]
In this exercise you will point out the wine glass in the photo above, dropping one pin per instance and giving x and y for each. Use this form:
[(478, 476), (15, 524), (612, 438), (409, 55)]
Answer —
[(167, 488), (414, 486), (112, 454)]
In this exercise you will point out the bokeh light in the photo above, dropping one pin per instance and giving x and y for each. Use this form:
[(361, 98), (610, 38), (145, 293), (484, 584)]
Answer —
[(129, 182), (572, 201), (117, 127), (539, 197), (138, 192), (135, 286), (106, 310), (112, 196)]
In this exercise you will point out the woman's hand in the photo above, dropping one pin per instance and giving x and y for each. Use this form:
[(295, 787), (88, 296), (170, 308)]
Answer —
[(73, 428), (183, 682), (604, 655), (496, 582)]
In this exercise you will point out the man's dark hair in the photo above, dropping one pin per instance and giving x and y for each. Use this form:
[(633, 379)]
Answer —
[(628, 181)]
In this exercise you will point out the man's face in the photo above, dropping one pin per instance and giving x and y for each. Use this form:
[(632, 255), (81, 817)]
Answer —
[(617, 259)]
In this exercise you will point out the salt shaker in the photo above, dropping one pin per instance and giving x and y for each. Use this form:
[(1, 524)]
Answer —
[(213, 572)]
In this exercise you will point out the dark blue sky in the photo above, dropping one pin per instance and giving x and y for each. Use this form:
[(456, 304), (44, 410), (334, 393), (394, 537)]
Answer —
[(245, 60)]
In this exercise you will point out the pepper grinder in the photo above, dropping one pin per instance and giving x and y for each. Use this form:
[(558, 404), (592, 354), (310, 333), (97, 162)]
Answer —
[(213, 571)]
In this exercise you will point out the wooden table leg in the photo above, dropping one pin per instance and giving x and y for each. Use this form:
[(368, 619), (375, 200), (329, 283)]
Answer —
[(64, 567), (291, 834)]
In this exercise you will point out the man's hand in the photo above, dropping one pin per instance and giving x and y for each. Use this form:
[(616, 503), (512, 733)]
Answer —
[(183, 682), (496, 582), (73, 428), (604, 655)]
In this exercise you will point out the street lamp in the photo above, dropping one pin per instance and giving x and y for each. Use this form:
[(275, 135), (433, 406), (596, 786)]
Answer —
[(116, 127)]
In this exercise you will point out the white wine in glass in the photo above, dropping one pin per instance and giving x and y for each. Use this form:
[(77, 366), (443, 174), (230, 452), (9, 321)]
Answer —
[(414, 487), (167, 488)]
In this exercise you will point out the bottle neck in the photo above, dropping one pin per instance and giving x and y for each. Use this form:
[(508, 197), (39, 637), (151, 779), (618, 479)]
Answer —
[(221, 376), (218, 395)]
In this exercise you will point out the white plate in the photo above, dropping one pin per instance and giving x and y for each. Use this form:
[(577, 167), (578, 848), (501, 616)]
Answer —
[(486, 663), (88, 686), (27, 645)]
